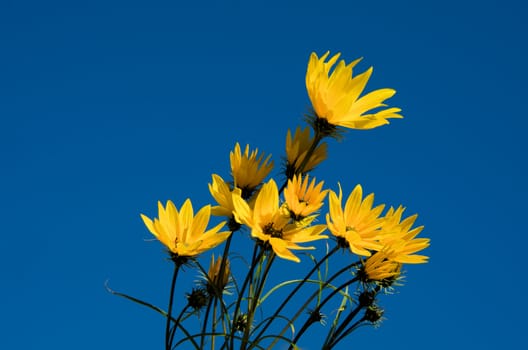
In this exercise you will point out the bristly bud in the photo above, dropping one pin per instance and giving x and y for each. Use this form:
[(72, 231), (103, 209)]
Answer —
[(241, 323), (342, 243), (367, 298), (233, 225), (322, 127), (179, 260), (215, 282), (373, 314), (198, 298), (316, 316)]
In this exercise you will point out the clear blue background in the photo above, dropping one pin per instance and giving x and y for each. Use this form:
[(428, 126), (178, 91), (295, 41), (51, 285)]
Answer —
[(107, 107)]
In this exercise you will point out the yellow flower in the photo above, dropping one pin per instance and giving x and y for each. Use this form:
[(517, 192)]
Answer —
[(358, 223), (297, 149), (335, 96), (182, 232), (270, 225), (214, 274), (301, 199), (221, 192), (379, 267), (248, 170), (398, 237)]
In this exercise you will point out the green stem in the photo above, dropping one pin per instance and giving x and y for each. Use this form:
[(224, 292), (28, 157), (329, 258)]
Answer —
[(310, 321), (295, 290), (176, 323), (309, 300), (168, 344), (345, 334), (241, 294), (213, 326), (204, 326), (255, 299), (348, 319)]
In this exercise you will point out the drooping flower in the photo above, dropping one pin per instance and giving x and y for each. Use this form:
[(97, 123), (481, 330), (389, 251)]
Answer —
[(248, 169), (222, 193), (399, 238), (336, 97), (302, 197), (297, 149), (379, 268), (219, 281), (358, 224), (184, 234), (270, 225)]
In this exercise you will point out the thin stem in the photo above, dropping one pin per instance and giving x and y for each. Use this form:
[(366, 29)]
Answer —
[(256, 298), (206, 317), (241, 294), (177, 323), (213, 325), (317, 138), (348, 319), (295, 290), (218, 293), (169, 311), (310, 321), (309, 300), (345, 334)]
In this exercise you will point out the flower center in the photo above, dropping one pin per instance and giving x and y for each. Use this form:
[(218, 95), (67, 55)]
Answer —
[(270, 230)]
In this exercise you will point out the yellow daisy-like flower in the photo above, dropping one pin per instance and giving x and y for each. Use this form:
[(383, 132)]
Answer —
[(379, 267), (302, 197), (358, 223), (221, 192), (398, 237), (183, 233), (297, 148), (335, 97), (248, 169), (270, 225)]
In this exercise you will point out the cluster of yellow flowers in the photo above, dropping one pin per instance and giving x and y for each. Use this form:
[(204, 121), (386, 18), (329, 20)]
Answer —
[(282, 220), (283, 225)]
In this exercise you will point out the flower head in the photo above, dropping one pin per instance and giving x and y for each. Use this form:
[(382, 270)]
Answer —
[(221, 192), (336, 96), (399, 238), (220, 282), (270, 225), (303, 199), (297, 148), (358, 223), (248, 169), (379, 268), (184, 234)]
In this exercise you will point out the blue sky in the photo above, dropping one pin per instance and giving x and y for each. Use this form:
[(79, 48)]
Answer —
[(109, 106)]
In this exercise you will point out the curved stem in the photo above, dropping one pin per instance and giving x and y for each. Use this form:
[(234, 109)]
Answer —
[(256, 298), (345, 334), (295, 290), (310, 321), (241, 295), (309, 300), (169, 311), (177, 324), (204, 326)]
